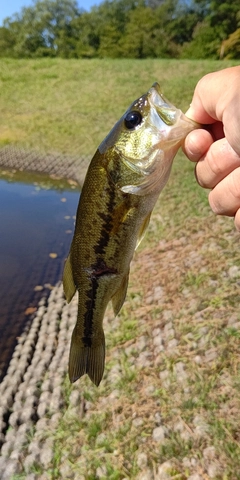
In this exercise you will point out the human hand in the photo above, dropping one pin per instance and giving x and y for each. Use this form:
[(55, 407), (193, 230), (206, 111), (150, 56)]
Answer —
[(216, 149)]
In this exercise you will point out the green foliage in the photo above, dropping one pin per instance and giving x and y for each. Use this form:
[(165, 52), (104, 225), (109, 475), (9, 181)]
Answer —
[(205, 43), (121, 28), (231, 46), (7, 42), (220, 19)]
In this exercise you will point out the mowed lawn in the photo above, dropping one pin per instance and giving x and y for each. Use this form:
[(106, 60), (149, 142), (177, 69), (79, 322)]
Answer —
[(169, 404), (69, 106)]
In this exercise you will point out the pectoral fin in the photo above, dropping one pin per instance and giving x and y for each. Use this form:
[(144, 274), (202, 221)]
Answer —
[(143, 229), (69, 286), (119, 297)]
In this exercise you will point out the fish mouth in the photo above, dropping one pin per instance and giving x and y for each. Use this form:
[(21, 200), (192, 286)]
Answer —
[(166, 111)]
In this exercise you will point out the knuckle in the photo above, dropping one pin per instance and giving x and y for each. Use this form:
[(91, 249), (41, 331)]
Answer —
[(235, 183), (214, 203), (237, 220), (203, 83), (216, 167)]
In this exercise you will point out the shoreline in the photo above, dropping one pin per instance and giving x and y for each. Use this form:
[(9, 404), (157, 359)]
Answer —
[(58, 164), (31, 391)]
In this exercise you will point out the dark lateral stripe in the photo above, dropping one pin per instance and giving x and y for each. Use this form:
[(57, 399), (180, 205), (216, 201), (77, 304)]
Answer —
[(89, 312), (99, 249), (107, 216)]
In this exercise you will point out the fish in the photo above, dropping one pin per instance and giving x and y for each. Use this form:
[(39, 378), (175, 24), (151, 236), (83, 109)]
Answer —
[(124, 179)]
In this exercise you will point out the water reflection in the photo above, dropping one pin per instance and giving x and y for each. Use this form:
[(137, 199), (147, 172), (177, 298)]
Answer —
[(37, 216)]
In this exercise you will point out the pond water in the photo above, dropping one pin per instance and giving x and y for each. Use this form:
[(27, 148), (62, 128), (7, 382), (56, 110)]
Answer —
[(37, 215)]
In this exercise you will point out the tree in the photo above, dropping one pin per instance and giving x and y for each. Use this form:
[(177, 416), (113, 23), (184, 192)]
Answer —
[(148, 32), (43, 28), (123, 28), (7, 41), (85, 30), (231, 47), (220, 19)]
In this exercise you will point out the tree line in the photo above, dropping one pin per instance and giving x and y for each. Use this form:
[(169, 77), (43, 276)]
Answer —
[(124, 29)]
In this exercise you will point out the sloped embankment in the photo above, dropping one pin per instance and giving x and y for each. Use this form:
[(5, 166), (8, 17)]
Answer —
[(169, 403)]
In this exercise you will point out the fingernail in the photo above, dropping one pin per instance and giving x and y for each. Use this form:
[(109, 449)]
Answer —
[(192, 148), (190, 113)]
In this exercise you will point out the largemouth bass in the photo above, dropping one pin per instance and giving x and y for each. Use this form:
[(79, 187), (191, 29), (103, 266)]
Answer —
[(123, 182)]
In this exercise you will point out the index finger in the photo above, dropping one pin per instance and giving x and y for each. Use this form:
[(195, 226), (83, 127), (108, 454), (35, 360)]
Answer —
[(217, 99), (209, 98)]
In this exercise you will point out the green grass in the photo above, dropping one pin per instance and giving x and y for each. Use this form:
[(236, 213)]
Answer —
[(69, 106)]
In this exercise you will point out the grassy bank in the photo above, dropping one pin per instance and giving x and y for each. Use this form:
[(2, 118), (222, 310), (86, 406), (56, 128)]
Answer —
[(68, 106), (169, 404)]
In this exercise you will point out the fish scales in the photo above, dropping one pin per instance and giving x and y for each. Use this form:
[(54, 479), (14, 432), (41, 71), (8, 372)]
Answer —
[(121, 187)]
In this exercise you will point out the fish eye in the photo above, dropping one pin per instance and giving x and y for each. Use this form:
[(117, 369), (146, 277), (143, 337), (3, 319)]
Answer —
[(132, 119)]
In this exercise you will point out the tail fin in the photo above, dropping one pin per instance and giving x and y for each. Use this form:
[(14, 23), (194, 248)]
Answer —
[(83, 359)]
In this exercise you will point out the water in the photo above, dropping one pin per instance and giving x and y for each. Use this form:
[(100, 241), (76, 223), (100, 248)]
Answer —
[(37, 215)]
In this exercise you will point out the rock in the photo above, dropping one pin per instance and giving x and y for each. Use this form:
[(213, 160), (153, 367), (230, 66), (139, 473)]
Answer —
[(164, 376), (137, 422), (75, 398), (180, 372), (234, 272), (34, 447), (42, 409), (66, 471), (168, 329), (142, 460), (143, 359), (209, 453), (158, 294), (213, 470), (3, 461), (168, 315), (27, 414), (101, 438), (12, 468), (195, 476), (158, 418), (146, 475), (164, 471), (46, 454), (172, 343), (54, 421), (210, 355), (101, 472), (198, 359), (201, 427), (142, 343), (157, 340), (7, 448), (30, 460), (41, 425), (186, 462), (150, 389), (14, 419), (159, 434)]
